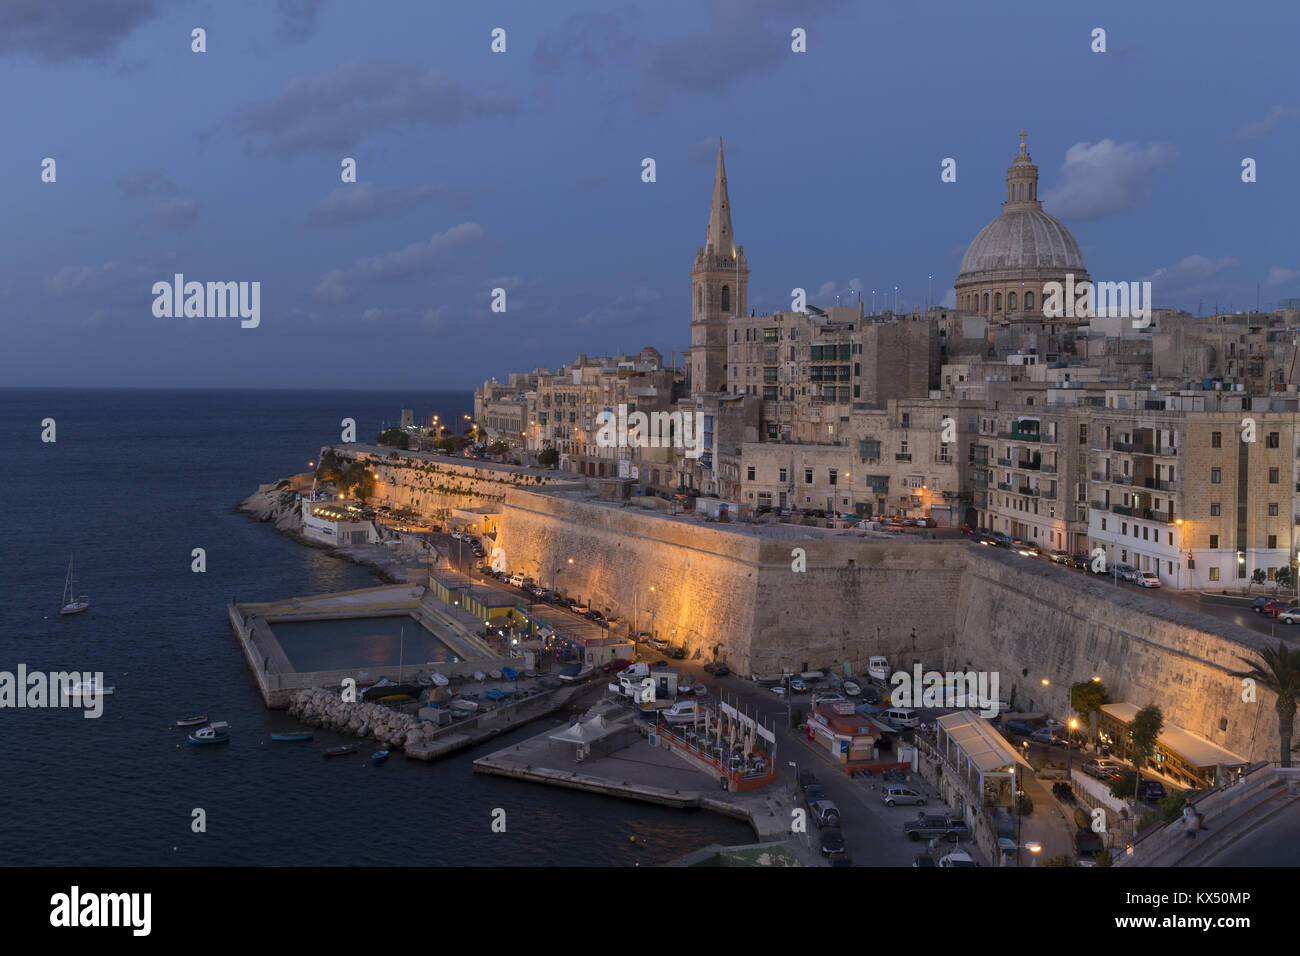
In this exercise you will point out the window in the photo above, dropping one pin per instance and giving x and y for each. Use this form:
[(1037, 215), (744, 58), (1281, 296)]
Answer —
[(1214, 509), (1103, 524), (1214, 574), (1272, 476), (1216, 439), (782, 476), (1123, 527), (1214, 542), (907, 419), (1029, 296), (1144, 533), (750, 473), (726, 298), (807, 476), (1272, 440), (1272, 541), (1216, 476), (833, 476), (1272, 509)]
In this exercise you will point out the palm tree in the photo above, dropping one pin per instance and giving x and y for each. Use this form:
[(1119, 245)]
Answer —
[(1280, 673)]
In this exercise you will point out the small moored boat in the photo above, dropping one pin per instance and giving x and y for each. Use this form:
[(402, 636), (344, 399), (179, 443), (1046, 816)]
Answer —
[(480, 676), (73, 603), (292, 735), (851, 688), (465, 706), (440, 680), (217, 732), (196, 721), (341, 751), (379, 756), (87, 688)]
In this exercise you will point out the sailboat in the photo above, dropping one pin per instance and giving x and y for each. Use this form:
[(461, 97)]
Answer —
[(71, 604)]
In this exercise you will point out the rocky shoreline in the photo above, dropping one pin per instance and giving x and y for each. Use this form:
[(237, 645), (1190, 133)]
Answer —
[(321, 708)]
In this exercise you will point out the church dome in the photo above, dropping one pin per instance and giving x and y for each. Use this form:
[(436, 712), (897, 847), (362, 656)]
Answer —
[(1021, 243)]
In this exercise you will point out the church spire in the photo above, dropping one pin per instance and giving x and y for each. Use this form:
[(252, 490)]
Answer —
[(719, 235)]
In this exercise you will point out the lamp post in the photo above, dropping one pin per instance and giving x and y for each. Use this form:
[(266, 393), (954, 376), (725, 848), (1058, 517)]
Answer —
[(636, 605), (1069, 742)]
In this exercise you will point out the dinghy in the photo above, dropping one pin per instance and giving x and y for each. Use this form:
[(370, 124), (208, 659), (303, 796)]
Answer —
[(379, 756), (196, 721), (292, 735), (341, 751)]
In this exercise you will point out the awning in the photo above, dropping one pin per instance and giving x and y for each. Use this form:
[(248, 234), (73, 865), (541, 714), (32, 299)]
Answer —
[(1197, 751), (984, 747)]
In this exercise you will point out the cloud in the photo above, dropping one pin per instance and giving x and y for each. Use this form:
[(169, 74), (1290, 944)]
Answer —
[(590, 40), (1192, 273), (83, 280), (335, 110), (417, 257), (742, 37), (147, 182), (61, 30), (174, 213), (297, 18), (635, 309), (357, 202), (1255, 129), (1098, 179), (1280, 276)]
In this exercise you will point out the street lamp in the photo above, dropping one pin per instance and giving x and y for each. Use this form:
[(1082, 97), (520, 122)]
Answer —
[(1069, 740)]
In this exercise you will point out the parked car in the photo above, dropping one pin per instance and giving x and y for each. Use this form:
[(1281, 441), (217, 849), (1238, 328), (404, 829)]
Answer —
[(1125, 572), (1272, 608), (957, 858), (1102, 769), (968, 530), (1046, 735), (1059, 557), (830, 697), (806, 779), (1029, 551), (617, 664), (1290, 615), (659, 643), (1257, 605), (1019, 727), (1148, 579), (797, 686), (778, 689), (1081, 561), (893, 795), (716, 668), (824, 812), (677, 653), (941, 827), (833, 842), (923, 860), (1152, 790)]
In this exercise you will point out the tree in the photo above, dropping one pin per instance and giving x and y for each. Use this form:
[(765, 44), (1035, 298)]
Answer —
[(1258, 576), (1087, 697), (548, 458), (397, 437), (330, 468), (1142, 733), (358, 480), (1284, 577), (1279, 673)]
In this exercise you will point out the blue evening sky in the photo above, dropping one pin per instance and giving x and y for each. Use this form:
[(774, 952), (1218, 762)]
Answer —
[(522, 170)]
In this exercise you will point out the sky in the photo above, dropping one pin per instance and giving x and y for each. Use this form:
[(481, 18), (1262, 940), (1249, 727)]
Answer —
[(522, 170)]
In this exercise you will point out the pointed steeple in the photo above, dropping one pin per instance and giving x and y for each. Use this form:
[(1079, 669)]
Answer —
[(720, 236)]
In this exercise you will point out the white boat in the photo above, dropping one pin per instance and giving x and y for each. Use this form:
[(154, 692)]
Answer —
[(87, 688), (851, 688), (440, 680), (480, 676), (682, 712), (467, 706), (72, 604), (495, 675), (878, 669)]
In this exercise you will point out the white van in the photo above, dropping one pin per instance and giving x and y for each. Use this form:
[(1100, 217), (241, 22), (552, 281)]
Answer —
[(517, 580), (901, 717)]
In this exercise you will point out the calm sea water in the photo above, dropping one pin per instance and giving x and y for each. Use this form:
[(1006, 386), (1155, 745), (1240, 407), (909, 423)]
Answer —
[(134, 483)]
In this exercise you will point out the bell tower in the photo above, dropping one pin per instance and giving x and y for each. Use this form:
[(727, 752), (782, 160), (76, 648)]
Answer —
[(719, 287)]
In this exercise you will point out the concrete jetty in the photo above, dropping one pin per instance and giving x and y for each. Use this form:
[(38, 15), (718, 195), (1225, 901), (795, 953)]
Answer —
[(639, 771)]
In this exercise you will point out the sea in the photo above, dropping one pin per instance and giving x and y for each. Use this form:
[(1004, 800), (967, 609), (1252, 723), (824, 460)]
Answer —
[(134, 482)]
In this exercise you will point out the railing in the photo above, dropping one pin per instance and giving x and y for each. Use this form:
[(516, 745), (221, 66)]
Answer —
[(1019, 436), (1159, 484), (1121, 446), (1049, 495), (1122, 479), (1024, 490), (1004, 462), (1004, 486), (1100, 476), (1122, 510), (1098, 505), (1048, 469), (903, 456)]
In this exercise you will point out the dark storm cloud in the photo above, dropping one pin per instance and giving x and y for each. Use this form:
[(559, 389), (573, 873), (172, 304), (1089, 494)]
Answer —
[(58, 30), (332, 111)]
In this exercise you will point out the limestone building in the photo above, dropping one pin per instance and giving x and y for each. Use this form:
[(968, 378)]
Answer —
[(719, 291)]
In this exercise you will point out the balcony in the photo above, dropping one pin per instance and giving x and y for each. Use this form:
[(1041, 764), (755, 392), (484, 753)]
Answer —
[(1049, 495), (1028, 465), (903, 456), (1048, 440), (1098, 506), (1004, 486), (1049, 469), (1024, 490), (1159, 484), (1015, 435), (1100, 476), (1004, 462), (1122, 510), (1121, 446), (1122, 479)]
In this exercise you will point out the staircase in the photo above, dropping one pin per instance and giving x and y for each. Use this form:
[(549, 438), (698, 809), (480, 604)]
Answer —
[(1228, 813)]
